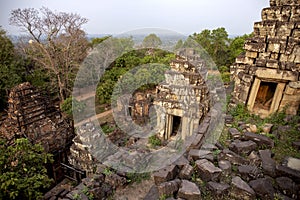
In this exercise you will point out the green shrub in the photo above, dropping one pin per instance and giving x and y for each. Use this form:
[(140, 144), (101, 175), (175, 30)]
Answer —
[(154, 141), (68, 108)]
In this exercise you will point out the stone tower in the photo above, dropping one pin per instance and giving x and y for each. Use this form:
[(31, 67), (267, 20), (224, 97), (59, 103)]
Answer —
[(266, 77)]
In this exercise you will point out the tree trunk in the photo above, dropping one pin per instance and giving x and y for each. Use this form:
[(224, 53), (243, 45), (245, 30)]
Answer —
[(61, 89)]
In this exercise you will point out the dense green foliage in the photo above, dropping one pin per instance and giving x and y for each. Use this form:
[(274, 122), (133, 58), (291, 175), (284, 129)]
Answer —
[(16, 68), (71, 106), (22, 170), (138, 76), (11, 72), (219, 46)]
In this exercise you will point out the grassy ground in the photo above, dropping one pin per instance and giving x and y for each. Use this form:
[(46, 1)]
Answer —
[(283, 142)]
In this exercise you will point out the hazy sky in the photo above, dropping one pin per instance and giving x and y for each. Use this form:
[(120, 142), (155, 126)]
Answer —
[(118, 16)]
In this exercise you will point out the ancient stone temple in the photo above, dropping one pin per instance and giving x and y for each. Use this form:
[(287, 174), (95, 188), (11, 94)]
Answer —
[(33, 116), (266, 77), (184, 97)]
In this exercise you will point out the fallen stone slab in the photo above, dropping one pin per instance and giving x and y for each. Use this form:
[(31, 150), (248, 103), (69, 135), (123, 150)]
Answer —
[(263, 188), (254, 158), (234, 158), (208, 146), (207, 170), (197, 154), (186, 172), (244, 147), (218, 189), (168, 188), (166, 174), (225, 166), (293, 163), (234, 133), (261, 140), (195, 141), (268, 164), (181, 162), (288, 172), (189, 190), (241, 190), (248, 172), (287, 186)]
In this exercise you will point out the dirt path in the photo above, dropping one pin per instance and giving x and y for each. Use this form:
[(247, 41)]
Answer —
[(95, 117), (85, 96), (135, 191)]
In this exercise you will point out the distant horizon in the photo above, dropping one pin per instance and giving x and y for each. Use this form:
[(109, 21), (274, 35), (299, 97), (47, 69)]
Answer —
[(119, 16)]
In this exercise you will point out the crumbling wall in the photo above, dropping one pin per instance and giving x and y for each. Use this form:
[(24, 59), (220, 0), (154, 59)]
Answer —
[(272, 55), (184, 94), (32, 115)]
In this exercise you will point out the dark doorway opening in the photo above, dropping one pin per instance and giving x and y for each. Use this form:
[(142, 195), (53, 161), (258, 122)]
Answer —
[(176, 125), (265, 95), (130, 111)]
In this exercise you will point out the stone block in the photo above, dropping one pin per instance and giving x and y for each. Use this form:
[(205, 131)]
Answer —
[(261, 140), (225, 166), (241, 190), (168, 188), (287, 186), (268, 164), (234, 158), (166, 174), (235, 134), (189, 190), (181, 162), (248, 172), (207, 170), (244, 147), (263, 188), (218, 189), (197, 154), (186, 172), (251, 54), (288, 172)]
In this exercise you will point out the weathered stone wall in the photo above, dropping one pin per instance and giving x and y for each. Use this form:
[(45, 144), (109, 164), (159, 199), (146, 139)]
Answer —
[(272, 55), (32, 115), (140, 105), (183, 94)]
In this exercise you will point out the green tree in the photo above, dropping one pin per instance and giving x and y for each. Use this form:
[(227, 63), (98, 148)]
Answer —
[(22, 170), (72, 106), (236, 46), (152, 40), (12, 71), (216, 44)]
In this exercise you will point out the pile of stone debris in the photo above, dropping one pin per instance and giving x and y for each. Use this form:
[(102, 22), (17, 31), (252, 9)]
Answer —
[(244, 170)]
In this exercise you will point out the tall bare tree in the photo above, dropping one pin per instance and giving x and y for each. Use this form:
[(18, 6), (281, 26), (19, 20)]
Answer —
[(57, 43)]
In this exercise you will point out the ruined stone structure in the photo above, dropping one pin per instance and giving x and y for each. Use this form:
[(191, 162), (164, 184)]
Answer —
[(34, 116), (184, 97), (140, 105), (267, 77)]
